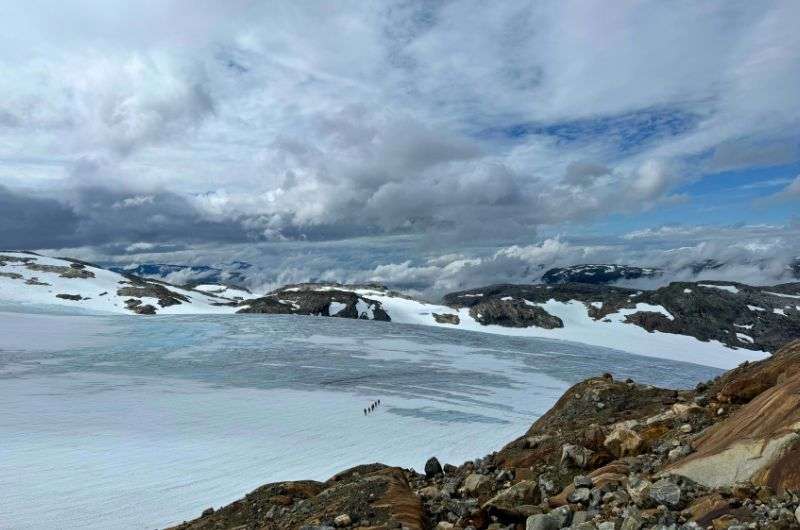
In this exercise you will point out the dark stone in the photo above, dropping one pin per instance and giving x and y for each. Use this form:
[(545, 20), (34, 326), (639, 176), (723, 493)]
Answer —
[(446, 318), (432, 467), (74, 297), (316, 299), (513, 314)]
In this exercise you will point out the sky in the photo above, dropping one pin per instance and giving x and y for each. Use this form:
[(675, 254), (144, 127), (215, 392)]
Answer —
[(426, 145)]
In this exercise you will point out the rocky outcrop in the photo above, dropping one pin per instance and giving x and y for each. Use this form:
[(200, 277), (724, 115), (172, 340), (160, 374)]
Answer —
[(598, 274), (74, 270), (141, 289), (513, 314), (73, 297), (318, 299), (372, 496), (738, 315), (759, 442), (446, 318)]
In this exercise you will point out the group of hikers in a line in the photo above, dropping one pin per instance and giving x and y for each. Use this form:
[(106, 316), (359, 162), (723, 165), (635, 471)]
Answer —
[(372, 406)]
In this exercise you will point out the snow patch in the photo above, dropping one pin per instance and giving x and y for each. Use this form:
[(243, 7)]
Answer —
[(744, 338), (580, 327), (365, 309), (336, 307), (755, 308), (729, 288), (784, 295)]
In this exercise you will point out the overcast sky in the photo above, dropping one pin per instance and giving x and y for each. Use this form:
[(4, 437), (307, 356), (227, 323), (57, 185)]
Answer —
[(423, 144)]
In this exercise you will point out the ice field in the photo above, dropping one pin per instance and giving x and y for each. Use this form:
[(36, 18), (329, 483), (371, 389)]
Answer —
[(130, 422)]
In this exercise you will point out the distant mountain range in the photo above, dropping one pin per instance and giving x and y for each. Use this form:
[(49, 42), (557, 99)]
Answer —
[(598, 274), (714, 323), (232, 273)]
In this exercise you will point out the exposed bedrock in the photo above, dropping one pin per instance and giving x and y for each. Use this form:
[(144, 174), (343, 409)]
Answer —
[(513, 314)]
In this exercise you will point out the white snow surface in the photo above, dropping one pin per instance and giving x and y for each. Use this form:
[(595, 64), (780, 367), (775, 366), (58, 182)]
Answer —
[(16, 291), (225, 291), (365, 310), (128, 422), (335, 308), (744, 338), (755, 308), (729, 288), (610, 332), (784, 295)]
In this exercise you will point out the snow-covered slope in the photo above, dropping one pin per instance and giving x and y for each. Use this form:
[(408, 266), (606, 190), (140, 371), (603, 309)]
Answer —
[(40, 282), (611, 331), (578, 319)]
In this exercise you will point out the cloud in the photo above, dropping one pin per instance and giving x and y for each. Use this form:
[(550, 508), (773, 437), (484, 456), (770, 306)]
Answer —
[(29, 222), (792, 190), (460, 123)]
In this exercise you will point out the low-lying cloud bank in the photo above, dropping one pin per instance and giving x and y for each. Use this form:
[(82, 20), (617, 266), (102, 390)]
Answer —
[(763, 254)]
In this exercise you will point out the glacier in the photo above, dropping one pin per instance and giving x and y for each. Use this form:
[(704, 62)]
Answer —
[(127, 422)]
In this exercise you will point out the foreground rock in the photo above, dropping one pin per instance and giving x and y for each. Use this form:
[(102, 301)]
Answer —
[(371, 496), (609, 455)]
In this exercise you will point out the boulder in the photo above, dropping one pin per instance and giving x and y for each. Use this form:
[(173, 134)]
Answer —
[(576, 455), (623, 442), (432, 467), (446, 318), (513, 314), (639, 490), (513, 502), (476, 485), (429, 492), (665, 492), (580, 495), (342, 520), (542, 522)]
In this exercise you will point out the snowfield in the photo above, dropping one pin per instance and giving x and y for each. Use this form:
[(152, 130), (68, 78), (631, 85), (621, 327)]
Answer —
[(609, 332), (19, 284), (142, 422)]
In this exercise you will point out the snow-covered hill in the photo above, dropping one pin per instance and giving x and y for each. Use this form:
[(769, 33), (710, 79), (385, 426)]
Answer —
[(43, 283), (599, 315)]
